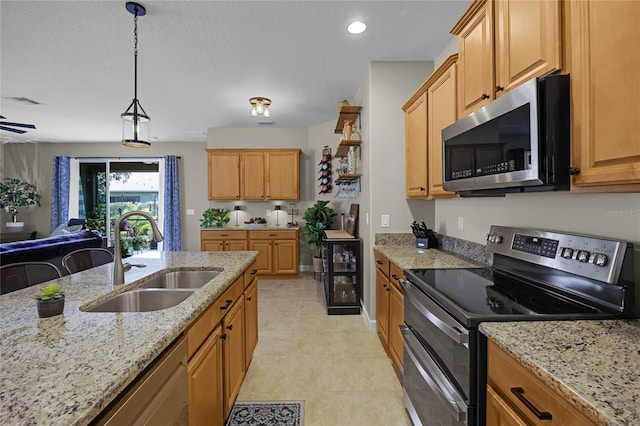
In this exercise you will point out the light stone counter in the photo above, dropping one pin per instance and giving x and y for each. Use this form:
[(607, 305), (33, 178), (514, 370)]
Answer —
[(64, 370), (406, 256), (254, 227), (595, 365)]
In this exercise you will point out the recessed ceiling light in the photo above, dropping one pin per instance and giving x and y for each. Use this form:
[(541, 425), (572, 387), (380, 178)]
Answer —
[(356, 27)]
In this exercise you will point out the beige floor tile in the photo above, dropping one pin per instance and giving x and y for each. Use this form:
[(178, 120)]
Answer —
[(332, 362)]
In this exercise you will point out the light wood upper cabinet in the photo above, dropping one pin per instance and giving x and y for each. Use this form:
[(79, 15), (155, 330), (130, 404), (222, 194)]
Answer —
[(415, 119), (476, 61), (442, 112), (605, 92), (224, 174), (504, 43), (528, 38), (254, 174)]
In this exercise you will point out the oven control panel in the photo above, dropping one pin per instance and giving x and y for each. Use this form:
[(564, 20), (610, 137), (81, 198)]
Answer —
[(592, 257)]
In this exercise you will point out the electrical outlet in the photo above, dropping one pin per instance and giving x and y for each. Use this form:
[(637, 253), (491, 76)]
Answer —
[(190, 212), (460, 223), (268, 212), (385, 221)]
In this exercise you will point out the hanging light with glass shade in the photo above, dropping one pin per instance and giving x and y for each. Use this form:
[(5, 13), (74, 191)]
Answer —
[(135, 121), (260, 106)]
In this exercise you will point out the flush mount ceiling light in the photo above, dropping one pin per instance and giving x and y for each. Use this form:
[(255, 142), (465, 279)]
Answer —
[(135, 121), (357, 27), (260, 106)]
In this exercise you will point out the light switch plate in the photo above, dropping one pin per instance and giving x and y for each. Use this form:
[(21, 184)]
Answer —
[(190, 212), (385, 221), (460, 223)]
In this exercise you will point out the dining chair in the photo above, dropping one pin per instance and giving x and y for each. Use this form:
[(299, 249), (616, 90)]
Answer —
[(86, 258), (17, 276)]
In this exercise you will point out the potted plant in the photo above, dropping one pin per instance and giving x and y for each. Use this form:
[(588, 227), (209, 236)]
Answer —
[(50, 301), (318, 218), (214, 218), (16, 193)]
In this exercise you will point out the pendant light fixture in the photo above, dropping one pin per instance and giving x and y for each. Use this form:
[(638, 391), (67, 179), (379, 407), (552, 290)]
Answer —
[(135, 121)]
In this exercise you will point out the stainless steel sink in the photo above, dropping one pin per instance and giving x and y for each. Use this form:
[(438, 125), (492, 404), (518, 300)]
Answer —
[(180, 279), (143, 300)]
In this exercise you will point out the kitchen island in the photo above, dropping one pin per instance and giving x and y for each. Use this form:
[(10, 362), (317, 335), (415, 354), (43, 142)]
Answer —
[(593, 365), (66, 369)]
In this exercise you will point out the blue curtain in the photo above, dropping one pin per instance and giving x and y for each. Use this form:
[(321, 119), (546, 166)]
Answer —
[(60, 192), (172, 229)]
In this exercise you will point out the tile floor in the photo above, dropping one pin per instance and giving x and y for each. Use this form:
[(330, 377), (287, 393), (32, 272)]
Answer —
[(333, 363)]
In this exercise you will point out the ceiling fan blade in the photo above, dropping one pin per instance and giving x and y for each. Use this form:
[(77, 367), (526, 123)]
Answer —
[(8, 123), (9, 129)]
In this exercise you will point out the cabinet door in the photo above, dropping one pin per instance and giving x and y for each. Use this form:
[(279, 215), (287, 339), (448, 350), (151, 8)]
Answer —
[(224, 175), (253, 176), (396, 319), (235, 245), (282, 175), (382, 309), (475, 47), (233, 350), (205, 383), (499, 413), (415, 121), (442, 112), (605, 95), (212, 245), (527, 41), (285, 256), (263, 262), (250, 321)]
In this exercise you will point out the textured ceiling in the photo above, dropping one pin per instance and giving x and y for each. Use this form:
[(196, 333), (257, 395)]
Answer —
[(199, 61)]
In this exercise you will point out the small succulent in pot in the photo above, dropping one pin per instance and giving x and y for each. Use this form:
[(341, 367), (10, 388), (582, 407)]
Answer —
[(50, 301), (214, 217)]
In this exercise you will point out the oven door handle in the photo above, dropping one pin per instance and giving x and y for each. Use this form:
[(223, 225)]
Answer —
[(432, 375), (435, 314)]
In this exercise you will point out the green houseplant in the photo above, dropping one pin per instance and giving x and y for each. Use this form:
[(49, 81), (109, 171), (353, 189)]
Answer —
[(50, 301), (16, 193), (318, 218), (214, 217)]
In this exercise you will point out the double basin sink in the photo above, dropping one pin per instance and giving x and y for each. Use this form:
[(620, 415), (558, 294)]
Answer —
[(160, 292)]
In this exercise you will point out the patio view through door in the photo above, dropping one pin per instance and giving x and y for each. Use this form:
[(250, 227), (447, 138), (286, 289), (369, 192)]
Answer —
[(104, 189)]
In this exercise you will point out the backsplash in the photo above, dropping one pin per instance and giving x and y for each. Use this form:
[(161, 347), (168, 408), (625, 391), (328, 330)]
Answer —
[(467, 249)]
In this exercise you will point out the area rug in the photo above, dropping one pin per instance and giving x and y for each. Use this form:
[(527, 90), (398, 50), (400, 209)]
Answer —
[(267, 413)]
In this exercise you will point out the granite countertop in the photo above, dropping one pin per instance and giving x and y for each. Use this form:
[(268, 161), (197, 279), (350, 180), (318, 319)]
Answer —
[(406, 256), (593, 364), (254, 227), (66, 369)]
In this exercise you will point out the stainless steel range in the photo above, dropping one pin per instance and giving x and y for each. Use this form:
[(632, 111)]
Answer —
[(536, 275)]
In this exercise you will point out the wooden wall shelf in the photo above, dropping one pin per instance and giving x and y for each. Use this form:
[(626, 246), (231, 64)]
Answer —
[(343, 148), (346, 112)]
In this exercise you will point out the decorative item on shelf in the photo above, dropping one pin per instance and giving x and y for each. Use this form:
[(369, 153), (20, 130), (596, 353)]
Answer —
[(16, 193), (343, 103), (356, 135), (214, 218), (50, 301), (277, 210), (325, 170), (135, 121), (318, 218), (237, 209), (293, 223), (346, 130)]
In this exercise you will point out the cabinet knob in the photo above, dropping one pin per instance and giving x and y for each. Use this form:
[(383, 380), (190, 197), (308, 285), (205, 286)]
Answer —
[(249, 299), (573, 171), (422, 189), (499, 88), (230, 327), (379, 262), (224, 336), (227, 303), (484, 96), (395, 277)]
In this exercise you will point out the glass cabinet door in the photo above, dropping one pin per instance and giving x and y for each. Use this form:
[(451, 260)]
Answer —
[(342, 281)]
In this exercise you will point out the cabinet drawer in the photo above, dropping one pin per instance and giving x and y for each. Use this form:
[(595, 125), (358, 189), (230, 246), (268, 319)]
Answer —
[(396, 274), (272, 235), (382, 263), (223, 235), (201, 328), (250, 274), (508, 379)]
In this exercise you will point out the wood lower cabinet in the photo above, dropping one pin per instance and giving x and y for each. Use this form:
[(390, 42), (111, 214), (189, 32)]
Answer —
[(206, 404), (517, 397), (233, 348), (212, 240), (254, 174), (389, 309), (605, 95), (277, 251)]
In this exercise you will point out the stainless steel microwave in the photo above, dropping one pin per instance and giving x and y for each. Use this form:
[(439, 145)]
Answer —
[(518, 142)]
